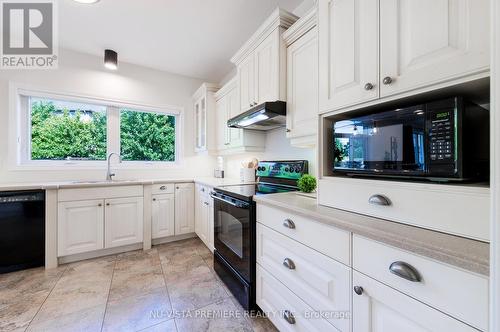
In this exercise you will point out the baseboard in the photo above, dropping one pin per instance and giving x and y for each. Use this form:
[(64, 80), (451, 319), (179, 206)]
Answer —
[(99, 253), (172, 238)]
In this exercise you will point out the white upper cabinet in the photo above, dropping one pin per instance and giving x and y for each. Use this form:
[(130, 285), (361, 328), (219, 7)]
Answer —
[(348, 52), (163, 216), (430, 41), (204, 118), (267, 74), (184, 208), (234, 140), (124, 221), (422, 44), (261, 62), (246, 82), (302, 81)]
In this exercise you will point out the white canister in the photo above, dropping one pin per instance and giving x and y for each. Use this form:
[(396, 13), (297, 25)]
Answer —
[(247, 175)]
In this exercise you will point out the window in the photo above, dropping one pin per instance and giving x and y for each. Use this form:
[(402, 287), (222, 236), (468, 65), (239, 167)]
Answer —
[(146, 136), (58, 130), (67, 131)]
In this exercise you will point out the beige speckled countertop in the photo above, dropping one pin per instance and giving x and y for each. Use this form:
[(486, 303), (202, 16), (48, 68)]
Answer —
[(208, 181), (464, 253)]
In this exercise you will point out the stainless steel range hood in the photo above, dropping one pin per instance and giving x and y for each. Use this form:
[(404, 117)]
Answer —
[(266, 116)]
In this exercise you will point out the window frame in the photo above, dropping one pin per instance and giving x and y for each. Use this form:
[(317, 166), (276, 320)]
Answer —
[(20, 131)]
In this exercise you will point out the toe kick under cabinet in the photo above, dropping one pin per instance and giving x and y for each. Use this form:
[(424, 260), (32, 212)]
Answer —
[(91, 219), (315, 277)]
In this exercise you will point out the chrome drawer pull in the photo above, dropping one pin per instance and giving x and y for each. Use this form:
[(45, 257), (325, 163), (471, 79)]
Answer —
[(405, 271), (379, 200), (289, 224), (288, 316), (289, 264)]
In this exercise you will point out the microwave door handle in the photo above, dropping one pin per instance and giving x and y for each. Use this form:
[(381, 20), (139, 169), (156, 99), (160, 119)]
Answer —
[(240, 206)]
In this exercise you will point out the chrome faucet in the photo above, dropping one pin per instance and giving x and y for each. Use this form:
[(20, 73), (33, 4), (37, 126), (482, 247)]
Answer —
[(109, 176)]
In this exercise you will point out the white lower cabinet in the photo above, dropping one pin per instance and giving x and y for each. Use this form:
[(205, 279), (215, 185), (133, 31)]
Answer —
[(204, 216), (163, 216), (184, 208), (80, 227), (287, 311), (379, 308), (124, 221), (320, 281)]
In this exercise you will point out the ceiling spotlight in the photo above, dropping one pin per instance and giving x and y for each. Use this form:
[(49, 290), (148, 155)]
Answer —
[(111, 59), (87, 1)]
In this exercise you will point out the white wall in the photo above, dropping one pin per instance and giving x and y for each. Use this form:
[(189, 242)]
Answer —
[(84, 74), (277, 148)]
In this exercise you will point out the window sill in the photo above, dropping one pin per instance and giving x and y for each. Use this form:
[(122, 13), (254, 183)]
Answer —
[(98, 165)]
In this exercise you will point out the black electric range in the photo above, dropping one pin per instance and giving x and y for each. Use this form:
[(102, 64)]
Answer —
[(235, 224)]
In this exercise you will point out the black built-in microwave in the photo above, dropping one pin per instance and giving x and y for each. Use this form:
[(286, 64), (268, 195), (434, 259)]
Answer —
[(443, 140)]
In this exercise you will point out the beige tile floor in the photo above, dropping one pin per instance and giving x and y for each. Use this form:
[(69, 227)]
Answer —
[(171, 287)]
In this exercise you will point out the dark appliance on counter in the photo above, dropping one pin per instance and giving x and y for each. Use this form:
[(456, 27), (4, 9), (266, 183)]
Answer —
[(443, 140), (235, 225), (22, 235), (265, 116)]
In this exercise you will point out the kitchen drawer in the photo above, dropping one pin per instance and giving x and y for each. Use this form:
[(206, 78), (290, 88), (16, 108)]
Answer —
[(454, 209), (460, 294), (163, 188), (323, 283), (328, 240), (80, 194), (379, 308), (276, 300)]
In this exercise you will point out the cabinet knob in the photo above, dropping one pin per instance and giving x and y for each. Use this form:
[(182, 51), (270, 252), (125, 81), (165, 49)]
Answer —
[(368, 86), (107, 204), (203, 189), (288, 130), (289, 264), (288, 316), (177, 188), (163, 188), (405, 271), (387, 80), (288, 223), (100, 204), (358, 290), (154, 199)]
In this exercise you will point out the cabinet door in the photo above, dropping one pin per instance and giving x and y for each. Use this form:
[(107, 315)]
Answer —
[(431, 41), (124, 221), (302, 84), (222, 129), (348, 52), (163, 215), (210, 235), (200, 214), (201, 124), (184, 208), (80, 227), (267, 69), (381, 308), (246, 83), (234, 135)]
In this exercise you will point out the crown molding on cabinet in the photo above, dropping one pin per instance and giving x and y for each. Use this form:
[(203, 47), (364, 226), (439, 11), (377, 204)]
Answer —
[(278, 18), (228, 87), (301, 26), (204, 88)]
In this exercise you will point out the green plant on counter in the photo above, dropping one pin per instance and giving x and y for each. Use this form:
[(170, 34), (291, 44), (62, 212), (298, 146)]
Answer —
[(307, 183)]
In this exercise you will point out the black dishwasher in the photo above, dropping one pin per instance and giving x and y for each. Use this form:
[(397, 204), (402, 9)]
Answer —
[(22, 230)]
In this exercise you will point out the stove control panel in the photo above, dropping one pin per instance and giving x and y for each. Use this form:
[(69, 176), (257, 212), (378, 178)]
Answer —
[(292, 170)]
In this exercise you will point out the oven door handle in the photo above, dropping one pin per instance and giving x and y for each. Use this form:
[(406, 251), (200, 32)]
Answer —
[(238, 205)]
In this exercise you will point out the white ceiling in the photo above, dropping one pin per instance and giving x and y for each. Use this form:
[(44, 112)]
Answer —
[(189, 37)]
